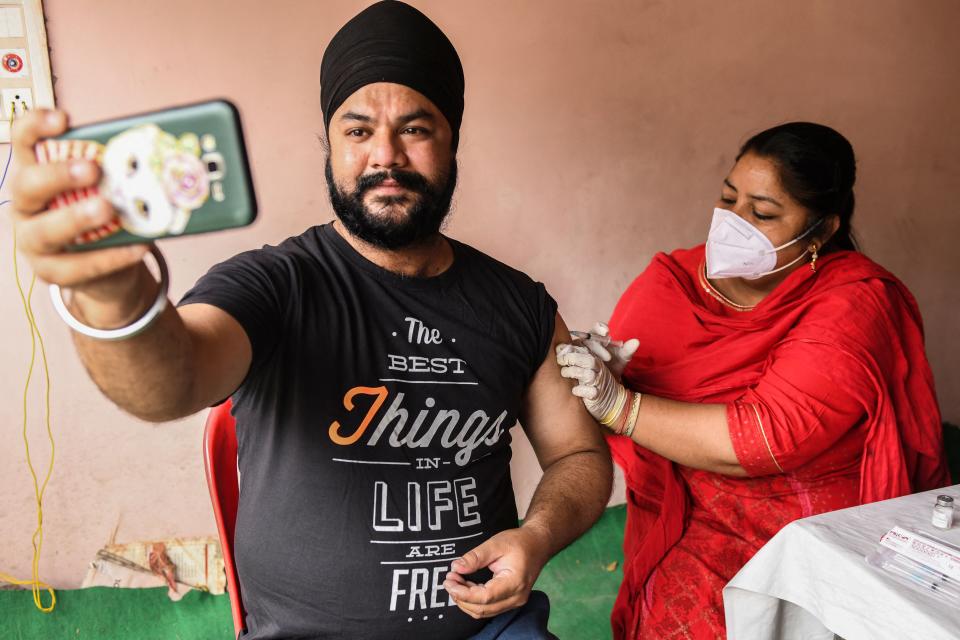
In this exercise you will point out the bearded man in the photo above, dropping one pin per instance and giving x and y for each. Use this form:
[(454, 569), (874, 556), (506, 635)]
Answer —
[(375, 367)]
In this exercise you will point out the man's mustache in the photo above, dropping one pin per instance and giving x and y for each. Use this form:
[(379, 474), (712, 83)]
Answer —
[(407, 179)]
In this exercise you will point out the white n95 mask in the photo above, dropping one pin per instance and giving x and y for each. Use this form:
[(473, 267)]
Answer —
[(737, 249)]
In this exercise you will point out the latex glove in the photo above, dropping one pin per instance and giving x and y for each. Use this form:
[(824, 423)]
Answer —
[(615, 357), (596, 384)]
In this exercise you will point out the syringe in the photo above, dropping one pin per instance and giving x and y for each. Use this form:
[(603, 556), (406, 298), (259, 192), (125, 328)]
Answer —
[(605, 341)]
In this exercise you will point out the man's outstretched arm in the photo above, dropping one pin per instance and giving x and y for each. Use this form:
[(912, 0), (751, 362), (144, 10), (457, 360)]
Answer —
[(571, 496), (186, 360), (190, 358)]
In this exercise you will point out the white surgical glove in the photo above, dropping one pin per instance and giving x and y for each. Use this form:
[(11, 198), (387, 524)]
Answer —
[(596, 386), (615, 357), (596, 370)]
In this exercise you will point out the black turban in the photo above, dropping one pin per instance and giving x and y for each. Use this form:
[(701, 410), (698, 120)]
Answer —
[(391, 41)]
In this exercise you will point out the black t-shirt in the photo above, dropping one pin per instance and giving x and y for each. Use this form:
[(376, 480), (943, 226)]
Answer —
[(373, 431)]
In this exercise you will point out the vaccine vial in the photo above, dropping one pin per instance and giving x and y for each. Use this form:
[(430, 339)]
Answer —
[(943, 512)]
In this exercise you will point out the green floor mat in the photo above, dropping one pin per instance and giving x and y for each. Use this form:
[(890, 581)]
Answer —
[(104, 613), (581, 582)]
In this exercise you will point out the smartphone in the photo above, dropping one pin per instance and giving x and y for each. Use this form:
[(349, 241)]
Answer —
[(167, 173)]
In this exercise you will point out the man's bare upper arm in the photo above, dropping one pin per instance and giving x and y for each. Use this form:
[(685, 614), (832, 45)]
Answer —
[(554, 419), (221, 352)]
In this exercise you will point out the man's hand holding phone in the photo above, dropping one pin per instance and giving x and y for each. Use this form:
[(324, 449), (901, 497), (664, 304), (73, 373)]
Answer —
[(111, 285), (87, 202)]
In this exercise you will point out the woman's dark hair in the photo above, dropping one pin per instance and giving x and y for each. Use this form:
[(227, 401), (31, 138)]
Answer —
[(817, 168)]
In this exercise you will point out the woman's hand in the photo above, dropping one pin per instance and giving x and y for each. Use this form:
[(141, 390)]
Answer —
[(596, 369), (615, 357), (596, 385)]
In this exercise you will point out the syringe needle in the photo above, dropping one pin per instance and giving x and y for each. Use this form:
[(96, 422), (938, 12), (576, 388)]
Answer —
[(602, 340)]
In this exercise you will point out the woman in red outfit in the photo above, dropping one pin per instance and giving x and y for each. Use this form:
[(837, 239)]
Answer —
[(780, 373)]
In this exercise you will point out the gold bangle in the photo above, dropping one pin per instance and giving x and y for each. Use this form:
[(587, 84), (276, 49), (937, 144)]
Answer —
[(621, 420), (614, 412), (634, 412)]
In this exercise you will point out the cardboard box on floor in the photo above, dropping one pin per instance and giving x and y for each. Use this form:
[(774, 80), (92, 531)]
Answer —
[(190, 563)]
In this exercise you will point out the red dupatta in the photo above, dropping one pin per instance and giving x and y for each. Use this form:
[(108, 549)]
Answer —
[(692, 352)]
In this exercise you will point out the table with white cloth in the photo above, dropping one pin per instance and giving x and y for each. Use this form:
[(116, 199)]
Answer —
[(811, 580)]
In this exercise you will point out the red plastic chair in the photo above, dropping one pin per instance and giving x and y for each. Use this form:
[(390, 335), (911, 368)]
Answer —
[(220, 462)]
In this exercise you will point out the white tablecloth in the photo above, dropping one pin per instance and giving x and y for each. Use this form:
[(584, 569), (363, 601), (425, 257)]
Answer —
[(811, 580)]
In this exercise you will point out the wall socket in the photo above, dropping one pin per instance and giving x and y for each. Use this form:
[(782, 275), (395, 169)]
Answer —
[(24, 62), (15, 102)]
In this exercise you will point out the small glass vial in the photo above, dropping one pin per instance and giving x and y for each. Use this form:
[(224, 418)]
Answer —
[(943, 512)]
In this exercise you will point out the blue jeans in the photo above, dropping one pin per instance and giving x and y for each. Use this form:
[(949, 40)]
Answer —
[(529, 622)]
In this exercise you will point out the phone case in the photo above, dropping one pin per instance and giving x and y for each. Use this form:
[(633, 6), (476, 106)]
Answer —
[(168, 173)]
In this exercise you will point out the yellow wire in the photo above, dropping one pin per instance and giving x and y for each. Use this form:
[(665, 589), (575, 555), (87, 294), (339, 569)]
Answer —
[(37, 586)]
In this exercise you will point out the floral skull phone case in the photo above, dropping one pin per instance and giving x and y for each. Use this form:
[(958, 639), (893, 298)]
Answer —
[(173, 172)]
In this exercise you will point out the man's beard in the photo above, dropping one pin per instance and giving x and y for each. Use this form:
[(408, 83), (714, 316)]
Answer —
[(431, 204)]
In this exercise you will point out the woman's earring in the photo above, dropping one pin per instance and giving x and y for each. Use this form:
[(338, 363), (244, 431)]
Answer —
[(813, 258)]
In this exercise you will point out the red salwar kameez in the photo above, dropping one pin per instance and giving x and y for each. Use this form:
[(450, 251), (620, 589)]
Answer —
[(830, 403)]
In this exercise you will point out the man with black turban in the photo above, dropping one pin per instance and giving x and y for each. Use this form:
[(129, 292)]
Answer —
[(375, 368)]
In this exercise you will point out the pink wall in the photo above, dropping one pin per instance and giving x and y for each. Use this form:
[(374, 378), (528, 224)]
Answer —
[(596, 133)]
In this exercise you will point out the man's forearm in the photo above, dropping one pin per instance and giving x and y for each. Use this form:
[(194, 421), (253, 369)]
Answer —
[(570, 498), (149, 375)]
